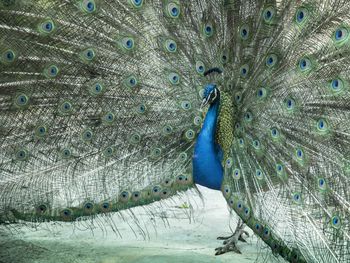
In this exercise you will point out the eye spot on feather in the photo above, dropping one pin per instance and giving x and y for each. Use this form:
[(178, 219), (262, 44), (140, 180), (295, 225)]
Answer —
[(266, 233), (66, 153), (136, 196), (229, 162), (246, 212), (297, 198), (136, 3), (21, 100), (41, 131), (197, 120), (301, 15), (244, 32), (87, 135), (275, 134), (321, 183), (156, 190), (271, 60), (141, 109), (88, 55), (305, 64), (336, 222), (155, 153), (88, 6), (66, 214), (174, 78), (124, 196), (173, 10), (269, 14), (299, 153), (236, 174), (261, 93), (135, 138), (336, 85), (51, 71), (105, 207), (256, 145), (259, 174), (244, 71), (165, 193), (226, 190), (131, 82), (108, 152), (96, 89), (183, 157), (289, 104), (88, 207), (248, 117), (22, 155), (208, 30), (46, 27), (66, 107), (170, 46), (186, 105), (109, 118), (238, 97), (167, 130), (200, 67), (190, 134), (239, 205), (8, 56), (322, 126), (128, 43)]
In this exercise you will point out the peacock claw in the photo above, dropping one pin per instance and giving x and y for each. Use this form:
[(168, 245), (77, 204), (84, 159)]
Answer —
[(230, 243)]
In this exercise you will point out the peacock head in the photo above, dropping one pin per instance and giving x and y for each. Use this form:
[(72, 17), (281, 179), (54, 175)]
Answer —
[(211, 94)]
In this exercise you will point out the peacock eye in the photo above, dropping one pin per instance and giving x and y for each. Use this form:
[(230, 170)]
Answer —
[(170, 45), (336, 222), (173, 10), (174, 78), (41, 131), (88, 54), (66, 153), (87, 135), (197, 120), (236, 174), (322, 125), (208, 30), (229, 162), (88, 6), (259, 174), (275, 133), (268, 14), (261, 93), (51, 71), (136, 3), (141, 109), (135, 138), (190, 134), (128, 43), (271, 60), (22, 155), (96, 89), (297, 198), (200, 67), (244, 32), (244, 70), (183, 156), (108, 152), (46, 27), (290, 104), (66, 107), (304, 64), (301, 15), (109, 117), (167, 130), (131, 82), (186, 105), (22, 100), (9, 56)]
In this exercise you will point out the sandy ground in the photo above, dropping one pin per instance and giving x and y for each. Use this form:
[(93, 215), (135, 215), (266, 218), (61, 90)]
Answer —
[(176, 239)]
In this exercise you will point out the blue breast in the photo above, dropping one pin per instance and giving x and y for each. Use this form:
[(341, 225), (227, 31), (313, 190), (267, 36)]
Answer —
[(207, 169)]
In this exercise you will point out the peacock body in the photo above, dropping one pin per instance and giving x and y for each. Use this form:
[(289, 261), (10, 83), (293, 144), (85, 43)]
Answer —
[(101, 111)]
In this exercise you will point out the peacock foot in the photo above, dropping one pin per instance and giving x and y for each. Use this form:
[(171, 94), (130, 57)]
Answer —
[(230, 243)]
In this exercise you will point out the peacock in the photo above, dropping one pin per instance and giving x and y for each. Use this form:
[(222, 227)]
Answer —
[(108, 105)]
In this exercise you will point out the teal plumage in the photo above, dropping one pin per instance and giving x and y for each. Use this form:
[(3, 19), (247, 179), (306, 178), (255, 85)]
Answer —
[(100, 111)]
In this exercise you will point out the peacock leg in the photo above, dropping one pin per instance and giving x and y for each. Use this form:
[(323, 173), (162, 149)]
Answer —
[(230, 243)]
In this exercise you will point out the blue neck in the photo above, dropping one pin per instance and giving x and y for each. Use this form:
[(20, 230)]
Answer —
[(207, 169)]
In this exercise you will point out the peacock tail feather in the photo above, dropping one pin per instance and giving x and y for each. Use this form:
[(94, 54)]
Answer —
[(100, 109)]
